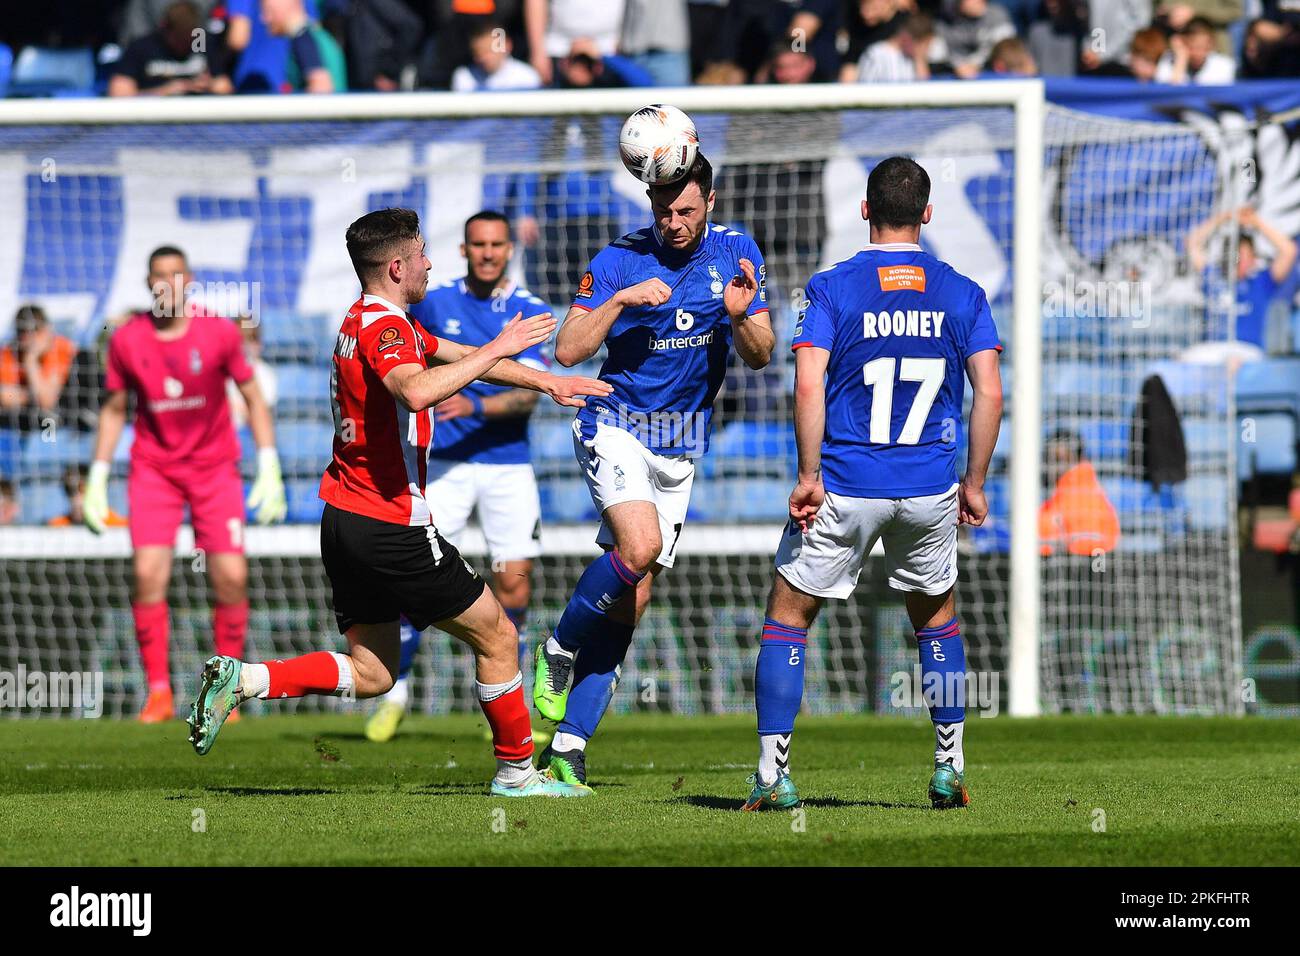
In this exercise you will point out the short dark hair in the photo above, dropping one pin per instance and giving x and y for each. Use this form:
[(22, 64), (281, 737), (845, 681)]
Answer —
[(372, 238), (700, 173), (162, 251), (1198, 25), (1070, 440), (29, 317), (489, 215), (484, 27), (898, 190)]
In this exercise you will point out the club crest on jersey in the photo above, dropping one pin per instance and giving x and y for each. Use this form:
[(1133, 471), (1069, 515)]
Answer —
[(196, 362), (585, 286), (172, 387), (717, 285), (390, 338)]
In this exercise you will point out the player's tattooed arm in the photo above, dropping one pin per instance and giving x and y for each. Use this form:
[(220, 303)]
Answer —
[(584, 330), (809, 431), (752, 334), (985, 419)]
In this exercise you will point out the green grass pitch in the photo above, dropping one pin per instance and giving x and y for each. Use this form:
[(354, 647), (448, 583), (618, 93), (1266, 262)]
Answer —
[(311, 790)]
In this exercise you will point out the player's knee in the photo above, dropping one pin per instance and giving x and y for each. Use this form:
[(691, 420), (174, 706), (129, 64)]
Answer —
[(640, 555)]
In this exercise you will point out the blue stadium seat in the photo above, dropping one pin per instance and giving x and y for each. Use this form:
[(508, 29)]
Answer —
[(41, 500), (122, 453), (46, 71), (755, 449), (305, 447), (305, 505), (551, 439), (117, 498), (1270, 385), (754, 500), (303, 391), (11, 451), (1194, 388), (48, 458), (565, 500), (6, 69), (1273, 452), (1207, 437), (289, 336), (1206, 499)]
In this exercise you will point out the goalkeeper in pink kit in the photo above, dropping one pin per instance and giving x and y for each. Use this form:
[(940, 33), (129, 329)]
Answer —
[(176, 359)]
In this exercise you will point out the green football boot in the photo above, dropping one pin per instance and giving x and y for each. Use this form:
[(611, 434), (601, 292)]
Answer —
[(383, 723), (551, 683), (781, 795), (218, 697), (567, 765), (948, 788)]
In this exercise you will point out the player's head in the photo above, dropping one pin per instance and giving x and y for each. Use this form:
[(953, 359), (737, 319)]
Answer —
[(489, 46), (387, 253), (681, 209), (169, 275), (282, 17), (898, 199), (487, 247)]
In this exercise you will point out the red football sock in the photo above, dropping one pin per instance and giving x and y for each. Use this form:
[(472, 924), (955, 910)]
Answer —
[(507, 715), (230, 628), (320, 672), (151, 633)]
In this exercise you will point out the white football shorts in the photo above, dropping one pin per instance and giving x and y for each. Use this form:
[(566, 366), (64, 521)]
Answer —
[(919, 537), (509, 510), (619, 468)]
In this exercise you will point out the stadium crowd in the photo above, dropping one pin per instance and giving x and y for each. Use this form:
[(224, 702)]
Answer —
[(184, 47)]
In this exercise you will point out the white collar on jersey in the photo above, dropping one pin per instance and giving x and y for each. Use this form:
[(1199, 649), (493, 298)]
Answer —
[(369, 298), (509, 289), (891, 247)]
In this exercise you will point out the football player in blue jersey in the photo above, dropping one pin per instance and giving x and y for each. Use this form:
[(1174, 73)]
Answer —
[(880, 350), (480, 456), (669, 302)]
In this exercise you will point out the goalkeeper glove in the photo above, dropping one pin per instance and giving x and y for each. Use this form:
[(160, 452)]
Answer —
[(94, 503), (267, 494)]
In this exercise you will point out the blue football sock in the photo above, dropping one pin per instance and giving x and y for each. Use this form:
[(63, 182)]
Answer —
[(943, 671), (410, 647), (595, 675), (603, 582), (778, 692)]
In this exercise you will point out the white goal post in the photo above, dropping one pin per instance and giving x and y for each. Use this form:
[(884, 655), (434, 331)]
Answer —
[(1024, 99)]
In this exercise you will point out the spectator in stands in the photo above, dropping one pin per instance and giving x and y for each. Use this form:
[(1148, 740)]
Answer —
[(172, 60), (553, 26), (1219, 14), (9, 506), (970, 29), (814, 26), (1010, 57), (720, 73), (382, 38), (1111, 27), (788, 65), (494, 67), (1056, 41), (259, 58), (1257, 285), (902, 57), (867, 23), (74, 486), (263, 372), (1077, 517), (656, 36), (1271, 49), (33, 370), (585, 68), (1144, 54), (705, 28), (1192, 58), (141, 18), (450, 23), (315, 63)]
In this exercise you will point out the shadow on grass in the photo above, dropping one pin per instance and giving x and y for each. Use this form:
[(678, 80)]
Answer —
[(269, 791), (734, 804)]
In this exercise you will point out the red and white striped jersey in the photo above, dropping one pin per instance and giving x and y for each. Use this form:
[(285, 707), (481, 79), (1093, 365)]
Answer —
[(381, 451)]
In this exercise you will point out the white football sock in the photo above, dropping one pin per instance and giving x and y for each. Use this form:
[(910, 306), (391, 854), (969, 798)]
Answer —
[(493, 691), (773, 757), (254, 681), (562, 742), (947, 745), (514, 773), (400, 693), (553, 647)]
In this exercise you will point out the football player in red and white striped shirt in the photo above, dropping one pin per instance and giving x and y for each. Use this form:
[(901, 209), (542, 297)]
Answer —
[(384, 557)]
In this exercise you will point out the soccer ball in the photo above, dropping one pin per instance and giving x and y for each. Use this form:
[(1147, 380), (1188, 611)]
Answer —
[(658, 144)]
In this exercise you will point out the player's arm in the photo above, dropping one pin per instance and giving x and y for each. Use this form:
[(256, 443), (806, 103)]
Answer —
[(985, 419), (112, 422), (564, 389), (585, 330), (266, 497), (751, 334), (1200, 235), (1284, 259), (809, 431)]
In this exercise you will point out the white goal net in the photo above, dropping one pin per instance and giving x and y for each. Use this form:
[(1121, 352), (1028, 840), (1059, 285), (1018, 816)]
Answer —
[(259, 195)]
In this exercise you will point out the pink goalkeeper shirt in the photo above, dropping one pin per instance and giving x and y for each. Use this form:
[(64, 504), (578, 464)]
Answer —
[(182, 416)]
